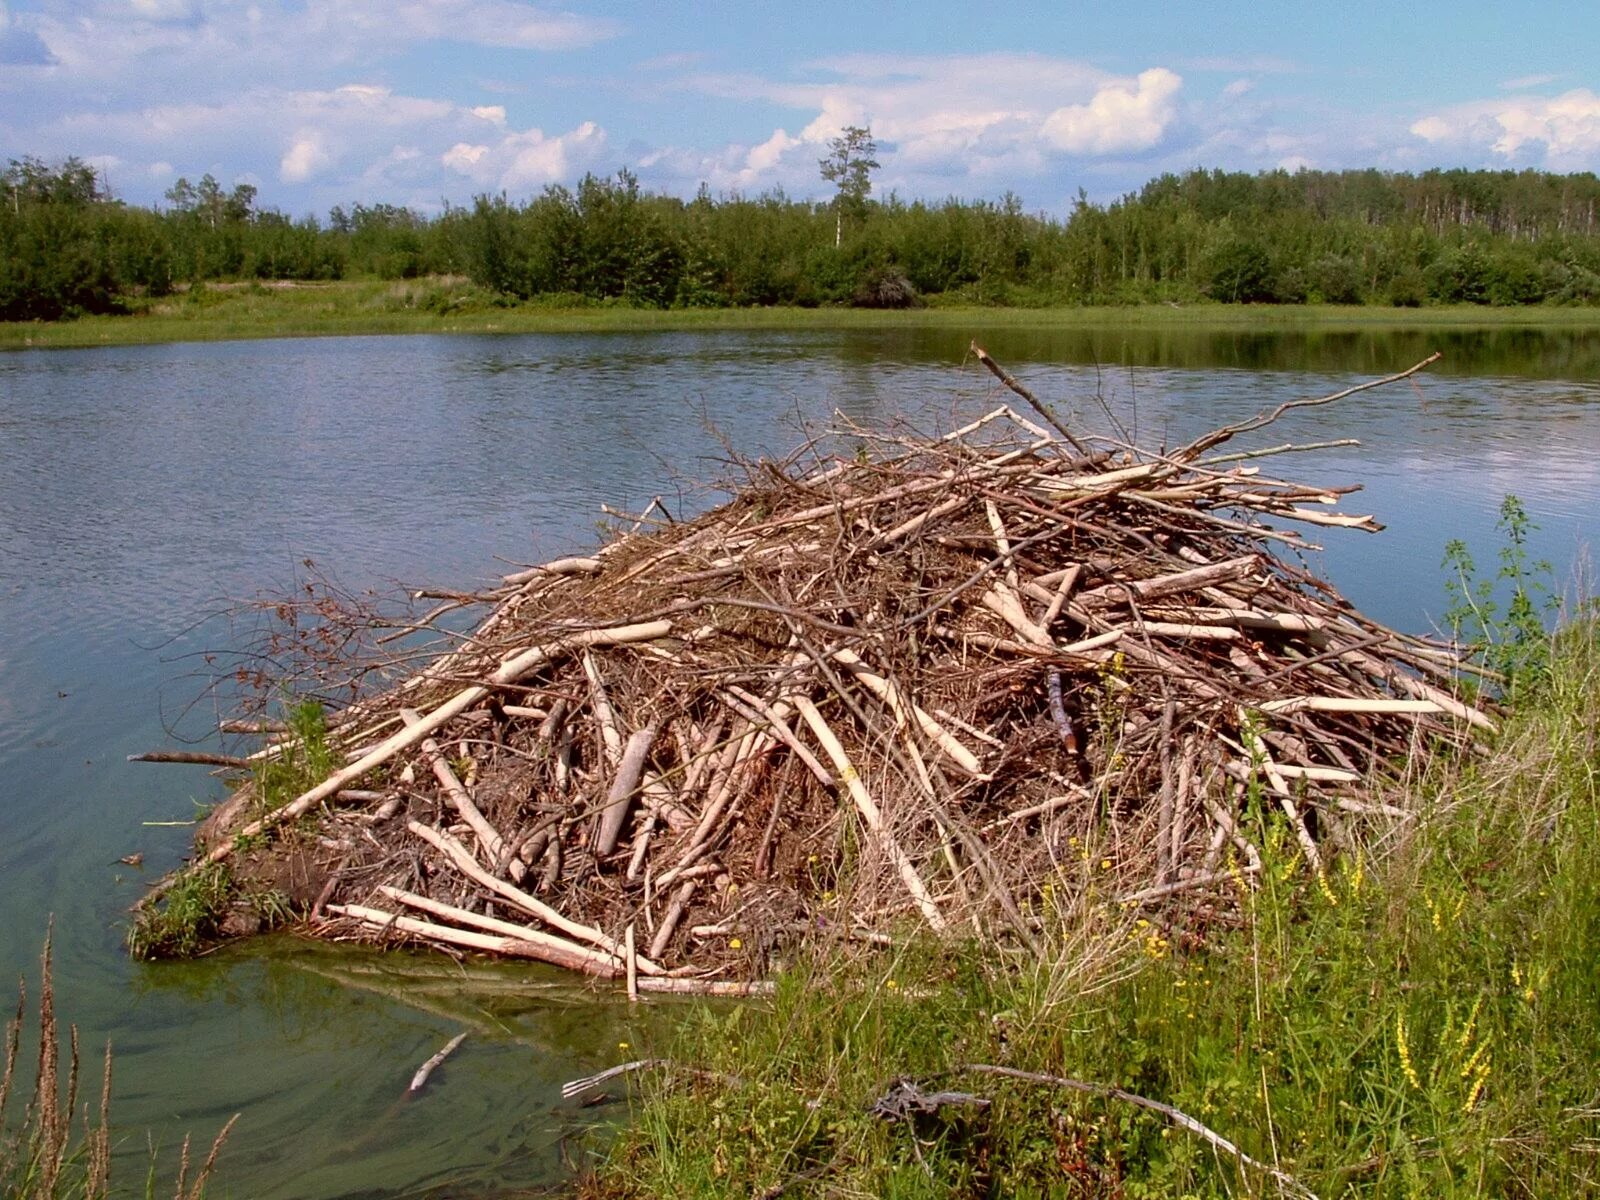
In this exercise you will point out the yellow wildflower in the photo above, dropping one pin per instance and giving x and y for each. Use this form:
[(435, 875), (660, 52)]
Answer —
[(1477, 1086), (1405, 1052)]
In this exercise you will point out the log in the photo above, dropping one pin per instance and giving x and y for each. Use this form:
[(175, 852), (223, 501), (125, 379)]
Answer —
[(511, 947), (624, 786)]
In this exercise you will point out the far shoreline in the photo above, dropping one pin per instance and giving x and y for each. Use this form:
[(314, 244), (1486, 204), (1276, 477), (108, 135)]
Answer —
[(365, 308)]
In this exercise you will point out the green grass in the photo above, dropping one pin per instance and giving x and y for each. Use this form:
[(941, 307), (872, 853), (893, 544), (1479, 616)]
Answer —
[(188, 918), (225, 312), (1425, 1023)]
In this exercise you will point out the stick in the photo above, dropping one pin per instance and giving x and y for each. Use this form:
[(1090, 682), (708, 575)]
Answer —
[(562, 952), (707, 987), (623, 787), (774, 716), (935, 732), (1182, 885), (870, 814), (633, 964), (494, 846), (1068, 581), (669, 923), (1039, 407), (509, 671), (561, 566), (512, 947), (427, 1068), (610, 736), (1168, 585), (1339, 704), (468, 866), (1200, 445), (192, 757)]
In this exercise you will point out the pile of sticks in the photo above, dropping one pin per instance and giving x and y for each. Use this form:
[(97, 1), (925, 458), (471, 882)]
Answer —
[(911, 687)]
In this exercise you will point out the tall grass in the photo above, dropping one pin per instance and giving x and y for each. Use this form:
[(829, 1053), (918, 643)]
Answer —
[(1425, 1024), (445, 305), (55, 1151)]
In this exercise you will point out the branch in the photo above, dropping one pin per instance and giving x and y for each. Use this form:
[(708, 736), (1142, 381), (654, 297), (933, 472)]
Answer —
[(1039, 406), (1177, 1116)]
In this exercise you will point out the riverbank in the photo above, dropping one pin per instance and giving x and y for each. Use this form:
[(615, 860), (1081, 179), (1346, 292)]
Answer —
[(241, 311), (1420, 1022)]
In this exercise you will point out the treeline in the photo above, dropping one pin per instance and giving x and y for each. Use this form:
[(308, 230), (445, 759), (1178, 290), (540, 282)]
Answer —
[(1349, 237)]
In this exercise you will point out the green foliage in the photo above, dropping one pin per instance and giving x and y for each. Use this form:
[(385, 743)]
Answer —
[(186, 920), (1514, 644), (1238, 271), (1421, 1024), (1441, 237)]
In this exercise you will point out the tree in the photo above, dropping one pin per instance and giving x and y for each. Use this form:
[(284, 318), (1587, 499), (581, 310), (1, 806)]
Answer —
[(30, 180), (849, 167)]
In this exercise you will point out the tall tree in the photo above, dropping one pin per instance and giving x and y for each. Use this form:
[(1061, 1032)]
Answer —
[(849, 168)]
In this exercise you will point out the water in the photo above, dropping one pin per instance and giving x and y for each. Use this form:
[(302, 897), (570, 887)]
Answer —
[(141, 487)]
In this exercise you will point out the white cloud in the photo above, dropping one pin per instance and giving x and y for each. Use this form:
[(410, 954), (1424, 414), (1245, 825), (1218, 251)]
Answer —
[(989, 120), (159, 10), (485, 22), (181, 47), (1523, 82), (764, 157), (1119, 119), (306, 156), (1238, 87), (529, 159), (495, 114), (1560, 132), (359, 141)]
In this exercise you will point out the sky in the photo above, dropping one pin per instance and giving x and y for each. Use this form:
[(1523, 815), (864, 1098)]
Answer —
[(428, 102)]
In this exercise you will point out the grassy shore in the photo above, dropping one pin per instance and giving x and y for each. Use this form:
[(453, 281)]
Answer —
[(1425, 1021), (225, 312)]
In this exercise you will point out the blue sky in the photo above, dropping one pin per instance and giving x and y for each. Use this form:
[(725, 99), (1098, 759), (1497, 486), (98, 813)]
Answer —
[(321, 102)]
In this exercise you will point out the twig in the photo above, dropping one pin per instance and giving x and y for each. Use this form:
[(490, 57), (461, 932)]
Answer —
[(427, 1068)]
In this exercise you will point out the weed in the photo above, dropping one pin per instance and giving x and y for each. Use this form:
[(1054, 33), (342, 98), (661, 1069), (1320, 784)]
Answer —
[(186, 919), (305, 759), (1515, 644), (41, 1159)]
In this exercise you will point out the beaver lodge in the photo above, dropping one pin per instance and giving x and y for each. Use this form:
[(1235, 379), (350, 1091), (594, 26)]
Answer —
[(864, 695)]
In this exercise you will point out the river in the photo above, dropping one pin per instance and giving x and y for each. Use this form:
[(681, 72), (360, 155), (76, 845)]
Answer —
[(143, 487)]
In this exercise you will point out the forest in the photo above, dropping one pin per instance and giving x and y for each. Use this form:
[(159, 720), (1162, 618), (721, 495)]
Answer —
[(67, 247)]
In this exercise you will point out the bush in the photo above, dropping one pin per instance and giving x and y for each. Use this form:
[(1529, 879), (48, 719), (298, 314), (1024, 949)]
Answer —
[(884, 287), (1239, 272), (1337, 280)]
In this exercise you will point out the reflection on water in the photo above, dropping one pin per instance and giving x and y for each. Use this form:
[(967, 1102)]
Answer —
[(140, 485)]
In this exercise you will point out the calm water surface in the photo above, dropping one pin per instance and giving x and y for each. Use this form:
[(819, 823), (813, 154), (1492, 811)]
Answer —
[(139, 487)]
